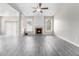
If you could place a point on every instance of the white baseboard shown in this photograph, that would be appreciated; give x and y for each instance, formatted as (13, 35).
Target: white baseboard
(69, 41)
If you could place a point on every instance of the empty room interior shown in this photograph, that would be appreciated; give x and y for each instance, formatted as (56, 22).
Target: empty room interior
(39, 29)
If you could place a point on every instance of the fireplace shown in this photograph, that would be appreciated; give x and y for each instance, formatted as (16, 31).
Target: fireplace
(38, 31)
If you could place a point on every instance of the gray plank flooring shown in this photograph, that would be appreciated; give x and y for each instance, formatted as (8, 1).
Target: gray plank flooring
(36, 46)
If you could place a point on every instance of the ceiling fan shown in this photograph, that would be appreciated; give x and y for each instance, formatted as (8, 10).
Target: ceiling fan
(39, 8)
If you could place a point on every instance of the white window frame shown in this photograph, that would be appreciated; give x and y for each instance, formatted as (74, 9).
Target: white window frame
(29, 17)
(45, 18)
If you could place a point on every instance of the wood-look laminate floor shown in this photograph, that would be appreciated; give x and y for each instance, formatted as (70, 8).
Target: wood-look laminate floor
(36, 46)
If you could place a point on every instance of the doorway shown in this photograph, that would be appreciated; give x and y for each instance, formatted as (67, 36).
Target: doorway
(11, 28)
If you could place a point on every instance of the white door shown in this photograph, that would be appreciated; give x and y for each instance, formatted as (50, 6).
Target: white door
(11, 28)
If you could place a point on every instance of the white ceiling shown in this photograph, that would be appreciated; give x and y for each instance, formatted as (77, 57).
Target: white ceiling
(56, 9)
(27, 10)
(7, 10)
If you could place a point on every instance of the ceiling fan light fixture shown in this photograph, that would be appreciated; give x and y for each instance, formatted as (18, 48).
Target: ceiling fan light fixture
(38, 10)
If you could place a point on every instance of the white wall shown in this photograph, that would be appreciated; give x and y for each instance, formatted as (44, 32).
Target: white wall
(39, 20)
(66, 23)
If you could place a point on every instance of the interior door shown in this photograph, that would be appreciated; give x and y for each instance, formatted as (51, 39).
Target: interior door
(11, 28)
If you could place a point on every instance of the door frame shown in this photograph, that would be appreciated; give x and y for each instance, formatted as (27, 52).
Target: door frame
(17, 29)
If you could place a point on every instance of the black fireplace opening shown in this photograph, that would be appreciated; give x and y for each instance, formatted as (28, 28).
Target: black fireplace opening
(38, 30)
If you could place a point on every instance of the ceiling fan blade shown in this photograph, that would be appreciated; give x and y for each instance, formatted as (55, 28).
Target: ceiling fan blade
(45, 8)
(34, 11)
(40, 4)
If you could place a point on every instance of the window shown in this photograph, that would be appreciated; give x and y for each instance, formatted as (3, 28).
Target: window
(29, 24)
(48, 24)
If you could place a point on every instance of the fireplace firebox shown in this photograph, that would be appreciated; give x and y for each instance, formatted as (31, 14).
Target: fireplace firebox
(38, 31)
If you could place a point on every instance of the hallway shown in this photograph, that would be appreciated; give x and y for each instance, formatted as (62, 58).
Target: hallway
(36, 46)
